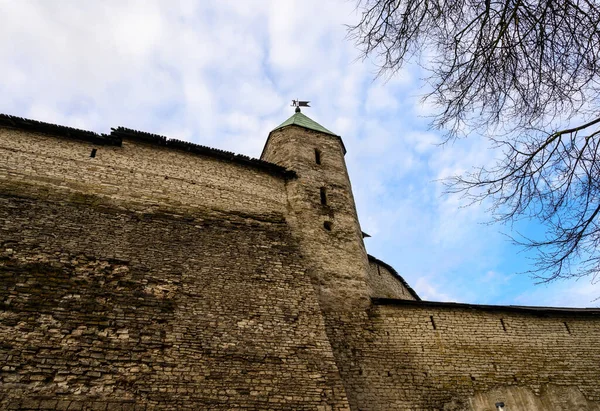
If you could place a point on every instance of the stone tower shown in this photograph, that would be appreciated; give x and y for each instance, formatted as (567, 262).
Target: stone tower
(139, 272)
(322, 210)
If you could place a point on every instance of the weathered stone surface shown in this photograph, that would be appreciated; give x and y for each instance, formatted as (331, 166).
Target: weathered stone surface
(112, 300)
(336, 258)
(149, 278)
(404, 361)
(385, 284)
(549, 397)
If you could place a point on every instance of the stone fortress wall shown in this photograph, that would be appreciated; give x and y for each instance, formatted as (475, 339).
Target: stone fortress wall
(385, 282)
(431, 356)
(152, 278)
(159, 274)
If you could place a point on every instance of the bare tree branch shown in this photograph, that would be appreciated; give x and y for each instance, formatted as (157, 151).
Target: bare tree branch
(523, 67)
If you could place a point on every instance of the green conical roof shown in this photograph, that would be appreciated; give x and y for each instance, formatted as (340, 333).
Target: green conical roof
(301, 120)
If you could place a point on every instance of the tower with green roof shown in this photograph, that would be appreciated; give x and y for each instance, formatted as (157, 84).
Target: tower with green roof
(322, 209)
(301, 120)
(322, 216)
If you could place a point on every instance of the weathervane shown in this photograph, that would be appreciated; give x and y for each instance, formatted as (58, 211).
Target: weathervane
(298, 104)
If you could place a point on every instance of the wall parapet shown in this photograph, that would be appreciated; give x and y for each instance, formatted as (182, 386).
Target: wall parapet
(396, 275)
(58, 130)
(115, 138)
(150, 138)
(484, 307)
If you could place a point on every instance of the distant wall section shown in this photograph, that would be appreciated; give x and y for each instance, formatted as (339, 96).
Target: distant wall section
(422, 355)
(385, 282)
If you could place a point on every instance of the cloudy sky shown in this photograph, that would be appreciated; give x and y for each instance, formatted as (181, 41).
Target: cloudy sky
(222, 74)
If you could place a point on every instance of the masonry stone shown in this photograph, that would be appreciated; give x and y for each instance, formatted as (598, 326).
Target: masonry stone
(143, 273)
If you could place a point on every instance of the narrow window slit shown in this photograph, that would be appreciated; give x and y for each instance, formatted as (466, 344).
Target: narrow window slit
(503, 325)
(317, 156)
(323, 196)
(93, 153)
(327, 225)
(567, 327)
(432, 322)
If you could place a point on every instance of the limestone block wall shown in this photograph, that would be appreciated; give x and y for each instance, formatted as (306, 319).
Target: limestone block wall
(336, 255)
(146, 176)
(385, 282)
(146, 278)
(426, 356)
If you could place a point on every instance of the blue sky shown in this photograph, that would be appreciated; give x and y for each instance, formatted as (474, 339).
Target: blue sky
(222, 74)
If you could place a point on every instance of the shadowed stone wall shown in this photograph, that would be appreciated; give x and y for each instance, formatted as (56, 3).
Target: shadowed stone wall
(432, 356)
(147, 278)
(336, 258)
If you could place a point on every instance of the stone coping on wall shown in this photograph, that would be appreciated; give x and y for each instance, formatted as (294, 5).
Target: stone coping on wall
(57, 130)
(142, 136)
(484, 307)
(117, 135)
(395, 274)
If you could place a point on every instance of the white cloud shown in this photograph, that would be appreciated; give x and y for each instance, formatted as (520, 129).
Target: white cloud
(429, 292)
(562, 294)
(222, 73)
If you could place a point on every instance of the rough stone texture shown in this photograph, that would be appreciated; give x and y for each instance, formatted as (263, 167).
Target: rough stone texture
(336, 259)
(147, 177)
(550, 397)
(385, 284)
(406, 363)
(153, 278)
(127, 290)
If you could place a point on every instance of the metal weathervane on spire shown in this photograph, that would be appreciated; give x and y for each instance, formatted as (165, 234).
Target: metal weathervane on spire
(298, 104)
